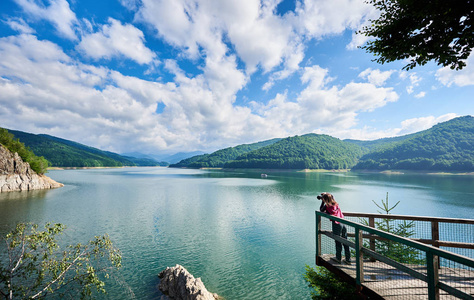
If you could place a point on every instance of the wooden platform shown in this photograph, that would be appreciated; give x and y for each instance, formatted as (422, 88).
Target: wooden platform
(389, 283)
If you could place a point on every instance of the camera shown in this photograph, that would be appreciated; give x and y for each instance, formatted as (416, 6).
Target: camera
(319, 197)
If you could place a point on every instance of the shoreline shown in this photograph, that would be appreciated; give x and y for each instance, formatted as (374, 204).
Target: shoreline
(387, 172)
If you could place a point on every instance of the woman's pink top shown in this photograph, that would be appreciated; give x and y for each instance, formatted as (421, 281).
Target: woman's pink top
(334, 210)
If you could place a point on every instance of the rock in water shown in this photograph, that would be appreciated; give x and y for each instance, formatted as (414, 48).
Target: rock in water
(17, 175)
(178, 284)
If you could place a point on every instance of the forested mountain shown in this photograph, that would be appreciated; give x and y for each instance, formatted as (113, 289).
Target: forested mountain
(447, 146)
(219, 158)
(63, 153)
(310, 151)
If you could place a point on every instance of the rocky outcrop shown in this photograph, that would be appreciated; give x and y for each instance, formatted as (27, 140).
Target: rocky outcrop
(17, 175)
(178, 284)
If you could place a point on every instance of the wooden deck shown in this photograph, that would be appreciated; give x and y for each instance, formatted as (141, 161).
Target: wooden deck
(387, 282)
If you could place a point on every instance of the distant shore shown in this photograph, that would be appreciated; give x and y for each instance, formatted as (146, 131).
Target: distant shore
(388, 172)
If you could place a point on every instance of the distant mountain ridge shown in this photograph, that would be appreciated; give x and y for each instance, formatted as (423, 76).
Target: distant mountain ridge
(64, 153)
(447, 146)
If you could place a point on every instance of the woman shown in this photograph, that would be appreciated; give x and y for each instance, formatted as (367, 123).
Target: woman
(331, 207)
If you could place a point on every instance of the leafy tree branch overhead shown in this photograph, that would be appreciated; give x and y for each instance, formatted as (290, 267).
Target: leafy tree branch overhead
(421, 31)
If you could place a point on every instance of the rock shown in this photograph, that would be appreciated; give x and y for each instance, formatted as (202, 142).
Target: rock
(17, 175)
(178, 284)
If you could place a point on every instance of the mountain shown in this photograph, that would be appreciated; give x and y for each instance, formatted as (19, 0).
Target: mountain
(310, 151)
(172, 159)
(219, 158)
(64, 153)
(447, 146)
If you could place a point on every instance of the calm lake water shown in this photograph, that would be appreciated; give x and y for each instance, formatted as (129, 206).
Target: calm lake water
(246, 237)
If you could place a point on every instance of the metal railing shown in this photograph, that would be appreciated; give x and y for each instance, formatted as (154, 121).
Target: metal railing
(440, 273)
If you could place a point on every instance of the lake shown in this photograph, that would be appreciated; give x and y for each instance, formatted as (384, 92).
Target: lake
(247, 237)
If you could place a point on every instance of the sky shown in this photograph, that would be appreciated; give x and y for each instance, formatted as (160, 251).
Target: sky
(160, 76)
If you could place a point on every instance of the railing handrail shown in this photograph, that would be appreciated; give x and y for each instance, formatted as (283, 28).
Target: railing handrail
(405, 217)
(411, 243)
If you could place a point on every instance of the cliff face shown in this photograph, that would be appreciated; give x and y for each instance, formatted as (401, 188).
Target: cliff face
(16, 175)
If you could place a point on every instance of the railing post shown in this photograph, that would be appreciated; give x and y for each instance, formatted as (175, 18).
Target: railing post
(318, 238)
(435, 233)
(433, 276)
(435, 237)
(372, 240)
(359, 257)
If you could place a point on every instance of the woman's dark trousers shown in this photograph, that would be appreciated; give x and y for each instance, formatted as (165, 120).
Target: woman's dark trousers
(340, 230)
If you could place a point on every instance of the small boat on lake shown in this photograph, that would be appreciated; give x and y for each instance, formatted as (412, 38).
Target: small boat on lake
(263, 175)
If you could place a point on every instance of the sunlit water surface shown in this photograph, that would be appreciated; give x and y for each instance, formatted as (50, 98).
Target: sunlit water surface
(247, 237)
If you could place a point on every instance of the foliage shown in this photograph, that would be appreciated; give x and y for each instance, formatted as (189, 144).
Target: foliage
(448, 146)
(219, 158)
(37, 163)
(396, 251)
(422, 30)
(310, 151)
(65, 153)
(325, 285)
(34, 266)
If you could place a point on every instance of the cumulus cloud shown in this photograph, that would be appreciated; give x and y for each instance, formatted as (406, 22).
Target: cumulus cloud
(376, 77)
(115, 39)
(463, 77)
(57, 12)
(321, 106)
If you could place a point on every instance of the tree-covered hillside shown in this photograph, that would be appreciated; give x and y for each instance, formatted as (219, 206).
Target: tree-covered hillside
(219, 158)
(310, 151)
(14, 145)
(64, 153)
(448, 146)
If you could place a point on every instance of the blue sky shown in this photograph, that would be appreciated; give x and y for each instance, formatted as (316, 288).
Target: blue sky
(184, 75)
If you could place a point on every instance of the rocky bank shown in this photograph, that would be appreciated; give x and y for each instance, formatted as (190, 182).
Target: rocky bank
(17, 175)
(178, 284)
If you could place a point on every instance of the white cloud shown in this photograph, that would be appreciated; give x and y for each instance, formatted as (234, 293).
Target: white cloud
(423, 123)
(408, 126)
(58, 12)
(54, 94)
(116, 39)
(463, 77)
(357, 41)
(420, 95)
(376, 77)
(413, 78)
(19, 25)
(319, 18)
(321, 106)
